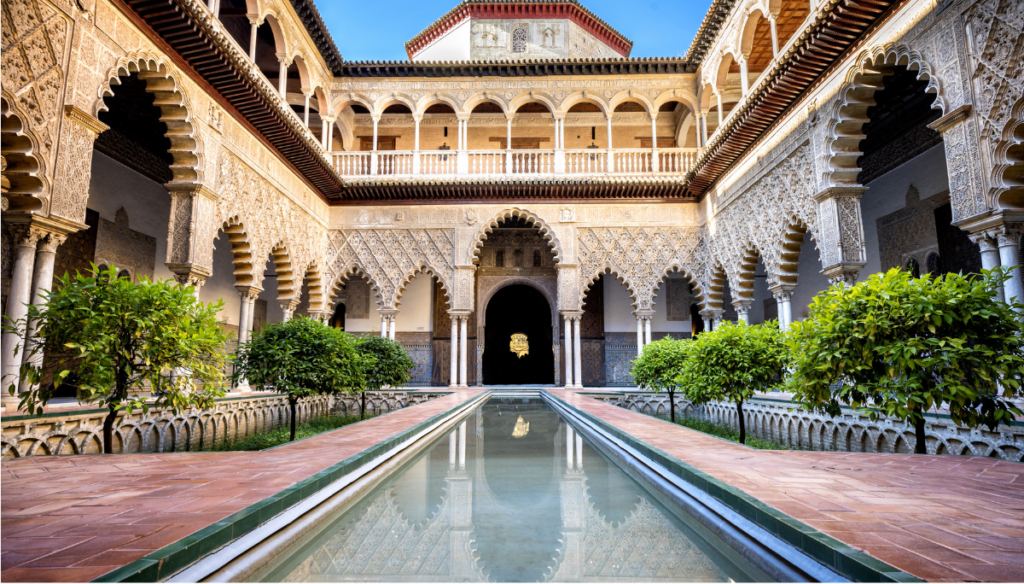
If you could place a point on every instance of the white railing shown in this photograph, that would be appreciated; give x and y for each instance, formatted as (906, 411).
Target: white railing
(586, 161)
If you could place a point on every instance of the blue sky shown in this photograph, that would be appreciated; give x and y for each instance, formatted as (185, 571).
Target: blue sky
(376, 30)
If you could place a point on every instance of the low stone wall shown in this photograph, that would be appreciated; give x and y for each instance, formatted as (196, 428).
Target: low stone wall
(160, 430)
(776, 420)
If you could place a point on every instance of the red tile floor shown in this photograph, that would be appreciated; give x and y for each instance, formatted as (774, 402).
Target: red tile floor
(937, 517)
(940, 518)
(74, 518)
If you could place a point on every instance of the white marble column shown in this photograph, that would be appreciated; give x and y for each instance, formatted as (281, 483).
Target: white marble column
(647, 330)
(330, 135)
(568, 350)
(305, 111)
(704, 129)
(463, 357)
(721, 116)
(782, 301)
(254, 24)
(282, 75)
(391, 326)
(744, 82)
(1009, 257)
(639, 335)
(743, 310)
(416, 119)
(383, 326)
(462, 446)
(775, 35)
(25, 239)
(989, 249)
(453, 379)
(577, 351)
(46, 254)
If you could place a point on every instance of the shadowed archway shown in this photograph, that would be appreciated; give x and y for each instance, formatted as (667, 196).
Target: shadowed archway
(518, 309)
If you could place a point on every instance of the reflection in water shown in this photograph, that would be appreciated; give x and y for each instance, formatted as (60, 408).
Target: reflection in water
(481, 505)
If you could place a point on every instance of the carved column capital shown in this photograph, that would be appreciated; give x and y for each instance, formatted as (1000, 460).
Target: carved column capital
(986, 241)
(248, 292)
(782, 292)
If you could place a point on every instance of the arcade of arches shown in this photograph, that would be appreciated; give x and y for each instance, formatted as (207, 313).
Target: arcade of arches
(591, 207)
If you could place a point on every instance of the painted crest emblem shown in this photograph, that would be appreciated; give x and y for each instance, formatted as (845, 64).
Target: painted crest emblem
(520, 345)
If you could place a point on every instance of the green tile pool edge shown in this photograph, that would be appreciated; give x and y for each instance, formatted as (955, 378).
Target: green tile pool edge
(172, 558)
(838, 556)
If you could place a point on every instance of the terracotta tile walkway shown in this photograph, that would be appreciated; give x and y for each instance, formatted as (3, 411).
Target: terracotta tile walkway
(75, 518)
(940, 518)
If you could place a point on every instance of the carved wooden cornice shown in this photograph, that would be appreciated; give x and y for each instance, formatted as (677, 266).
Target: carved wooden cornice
(837, 28)
(189, 30)
(526, 68)
(310, 17)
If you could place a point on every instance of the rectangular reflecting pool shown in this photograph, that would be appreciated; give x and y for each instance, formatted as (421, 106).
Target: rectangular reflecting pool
(512, 494)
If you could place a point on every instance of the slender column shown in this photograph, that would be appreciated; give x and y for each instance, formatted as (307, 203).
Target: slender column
(569, 451)
(17, 299)
(416, 144)
(704, 130)
(577, 350)
(323, 132)
(282, 76)
(743, 310)
(453, 379)
(579, 453)
(568, 350)
(383, 326)
(611, 158)
(639, 335)
(1009, 257)
(707, 322)
(254, 24)
(330, 135)
(654, 142)
(462, 446)
(391, 326)
(508, 143)
(243, 315)
(373, 154)
(744, 82)
(463, 341)
(305, 114)
(782, 296)
(696, 130)
(288, 308)
(989, 255)
(453, 448)
(215, 8)
(721, 118)
(647, 330)
(775, 35)
(46, 254)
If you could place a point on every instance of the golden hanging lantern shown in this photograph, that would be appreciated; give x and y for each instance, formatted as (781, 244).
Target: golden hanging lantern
(522, 428)
(519, 345)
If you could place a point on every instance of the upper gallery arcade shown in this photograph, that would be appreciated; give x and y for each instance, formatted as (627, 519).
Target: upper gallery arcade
(229, 145)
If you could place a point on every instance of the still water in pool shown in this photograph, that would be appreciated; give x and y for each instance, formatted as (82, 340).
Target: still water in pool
(513, 494)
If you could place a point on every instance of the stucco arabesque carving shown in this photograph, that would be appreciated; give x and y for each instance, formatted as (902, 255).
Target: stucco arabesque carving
(390, 258)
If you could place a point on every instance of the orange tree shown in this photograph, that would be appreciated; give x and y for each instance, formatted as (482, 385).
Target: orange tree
(107, 336)
(897, 346)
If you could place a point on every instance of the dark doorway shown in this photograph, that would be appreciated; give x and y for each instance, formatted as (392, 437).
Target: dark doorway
(518, 309)
(338, 318)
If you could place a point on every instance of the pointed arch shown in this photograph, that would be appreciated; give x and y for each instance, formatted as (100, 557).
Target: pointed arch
(845, 127)
(424, 268)
(241, 252)
(677, 267)
(513, 213)
(318, 294)
(589, 279)
(286, 288)
(352, 268)
(789, 254)
(175, 111)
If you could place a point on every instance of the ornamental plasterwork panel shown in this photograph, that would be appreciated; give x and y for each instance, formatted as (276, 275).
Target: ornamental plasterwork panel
(35, 42)
(640, 257)
(270, 219)
(389, 258)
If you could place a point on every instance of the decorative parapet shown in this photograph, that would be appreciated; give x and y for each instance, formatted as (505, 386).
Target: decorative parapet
(775, 420)
(160, 430)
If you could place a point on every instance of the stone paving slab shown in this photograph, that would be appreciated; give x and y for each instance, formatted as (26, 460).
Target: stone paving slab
(75, 518)
(940, 518)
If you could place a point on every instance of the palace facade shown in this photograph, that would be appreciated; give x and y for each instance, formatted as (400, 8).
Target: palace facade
(520, 175)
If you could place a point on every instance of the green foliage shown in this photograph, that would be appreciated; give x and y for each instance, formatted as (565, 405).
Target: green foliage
(278, 436)
(895, 345)
(658, 367)
(728, 433)
(392, 366)
(732, 363)
(301, 357)
(115, 336)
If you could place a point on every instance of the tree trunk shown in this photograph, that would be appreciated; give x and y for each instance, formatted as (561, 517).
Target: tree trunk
(672, 405)
(108, 430)
(292, 400)
(921, 447)
(362, 405)
(743, 423)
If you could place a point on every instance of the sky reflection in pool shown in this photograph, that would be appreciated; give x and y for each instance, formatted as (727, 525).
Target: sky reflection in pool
(483, 505)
